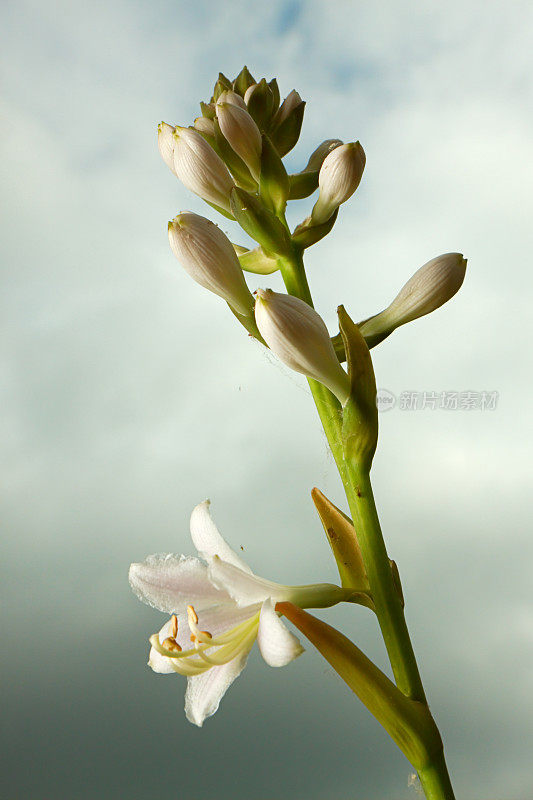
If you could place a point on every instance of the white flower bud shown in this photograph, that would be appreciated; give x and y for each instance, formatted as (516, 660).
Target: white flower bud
(205, 125)
(339, 177)
(242, 133)
(428, 289)
(209, 258)
(200, 169)
(232, 98)
(165, 142)
(299, 337)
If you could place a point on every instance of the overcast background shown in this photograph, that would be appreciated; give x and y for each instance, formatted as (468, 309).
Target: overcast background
(130, 394)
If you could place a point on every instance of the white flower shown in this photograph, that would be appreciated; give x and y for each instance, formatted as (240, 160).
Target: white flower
(200, 169)
(242, 133)
(208, 256)
(339, 177)
(165, 142)
(219, 608)
(299, 337)
(429, 288)
(232, 97)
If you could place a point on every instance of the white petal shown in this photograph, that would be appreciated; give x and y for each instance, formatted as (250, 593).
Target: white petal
(277, 644)
(204, 692)
(208, 540)
(244, 587)
(170, 583)
(155, 660)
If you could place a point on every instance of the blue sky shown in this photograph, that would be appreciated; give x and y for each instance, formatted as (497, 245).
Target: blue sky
(130, 395)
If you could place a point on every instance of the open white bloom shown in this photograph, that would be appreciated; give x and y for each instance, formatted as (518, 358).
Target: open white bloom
(208, 256)
(339, 177)
(200, 169)
(429, 288)
(218, 609)
(242, 133)
(299, 337)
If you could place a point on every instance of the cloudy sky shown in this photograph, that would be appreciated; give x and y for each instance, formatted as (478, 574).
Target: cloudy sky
(129, 394)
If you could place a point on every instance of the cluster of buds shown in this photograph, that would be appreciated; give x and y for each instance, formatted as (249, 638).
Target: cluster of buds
(231, 157)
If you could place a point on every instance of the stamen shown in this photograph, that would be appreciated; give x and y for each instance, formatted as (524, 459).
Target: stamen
(171, 644)
(174, 626)
(192, 615)
(207, 634)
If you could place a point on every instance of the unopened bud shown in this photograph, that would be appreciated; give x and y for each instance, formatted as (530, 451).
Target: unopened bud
(292, 100)
(232, 98)
(287, 123)
(259, 101)
(165, 143)
(304, 183)
(299, 337)
(205, 126)
(242, 134)
(209, 258)
(200, 169)
(430, 287)
(339, 177)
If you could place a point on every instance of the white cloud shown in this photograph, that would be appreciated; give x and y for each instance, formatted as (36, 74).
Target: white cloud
(130, 394)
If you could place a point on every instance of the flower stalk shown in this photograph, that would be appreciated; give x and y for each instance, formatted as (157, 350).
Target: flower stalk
(232, 158)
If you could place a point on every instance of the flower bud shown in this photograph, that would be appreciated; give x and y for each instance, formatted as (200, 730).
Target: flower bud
(242, 134)
(287, 123)
(204, 126)
(209, 258)
(292, 100)
(200, 169)
(165, 142)
(298, 336)
(259, 101)
(304, 183)
(430, 287)
(339, 177)
(233, 98)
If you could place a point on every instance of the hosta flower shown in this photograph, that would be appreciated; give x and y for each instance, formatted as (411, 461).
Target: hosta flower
(242, 134)
(165, 143)
(208, 256)
(200, 169)
(429, 288)
(218, 609)
(297, 334)
(339, 177)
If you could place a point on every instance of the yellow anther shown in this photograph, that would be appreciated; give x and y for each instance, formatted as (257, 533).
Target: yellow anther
(206, 633)
(171, 644)
(174, 626)
(193, 616)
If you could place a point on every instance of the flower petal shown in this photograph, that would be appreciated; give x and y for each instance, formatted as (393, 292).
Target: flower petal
(155, 660)
(169, 583)
(208, 540)
(277, 644)
(244, 587)
(204, 692)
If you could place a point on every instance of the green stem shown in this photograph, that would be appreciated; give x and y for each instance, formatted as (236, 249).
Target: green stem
(389, 610)
(435, 779)
(388, 603)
